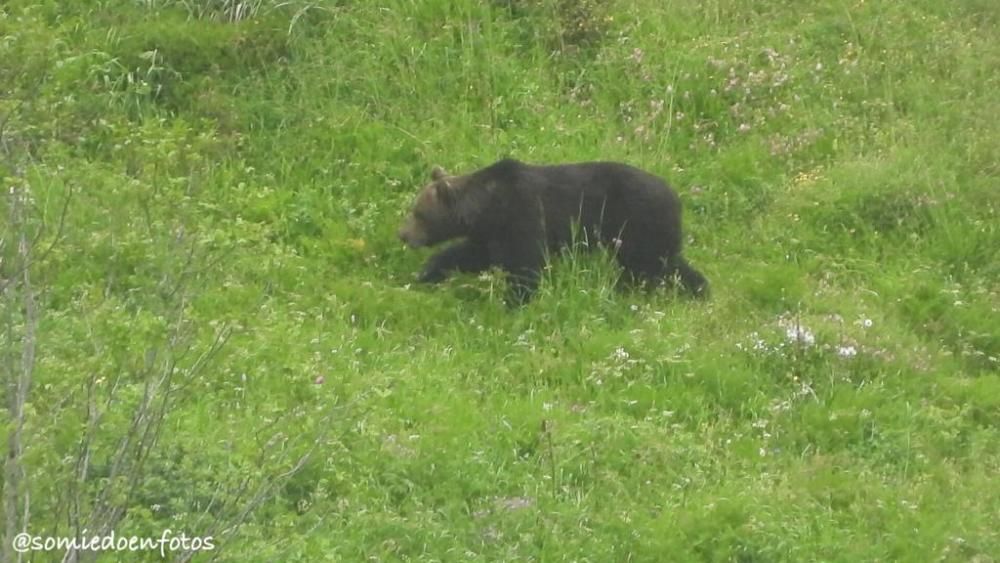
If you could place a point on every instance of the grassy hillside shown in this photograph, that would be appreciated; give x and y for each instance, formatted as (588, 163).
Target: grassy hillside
(210, 326)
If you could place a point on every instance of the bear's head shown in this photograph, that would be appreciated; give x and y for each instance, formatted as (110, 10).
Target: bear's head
(443, 210)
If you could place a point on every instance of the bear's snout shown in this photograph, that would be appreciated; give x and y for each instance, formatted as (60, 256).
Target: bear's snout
(410, 237)
(404, 236)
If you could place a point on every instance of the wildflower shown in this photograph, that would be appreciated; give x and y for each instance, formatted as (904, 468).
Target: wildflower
(847, 351)
(801, 334)
(620, 354)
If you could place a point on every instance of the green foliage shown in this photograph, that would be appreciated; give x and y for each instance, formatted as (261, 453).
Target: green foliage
(835, 399)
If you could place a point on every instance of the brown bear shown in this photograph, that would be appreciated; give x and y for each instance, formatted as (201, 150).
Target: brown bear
(511, 215)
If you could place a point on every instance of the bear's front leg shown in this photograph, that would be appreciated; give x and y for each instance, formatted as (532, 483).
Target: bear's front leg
(467, 256)
(523, 261)
(522, 284)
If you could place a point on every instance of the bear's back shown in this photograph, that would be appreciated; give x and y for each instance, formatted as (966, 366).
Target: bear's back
(603, 198)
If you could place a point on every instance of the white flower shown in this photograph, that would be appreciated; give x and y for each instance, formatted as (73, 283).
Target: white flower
(847, 351)
(800, 334)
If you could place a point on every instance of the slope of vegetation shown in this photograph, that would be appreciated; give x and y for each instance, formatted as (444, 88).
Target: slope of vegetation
(210, 327)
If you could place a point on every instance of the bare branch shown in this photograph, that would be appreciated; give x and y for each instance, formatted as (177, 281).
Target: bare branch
(18, 372)
(60, 226)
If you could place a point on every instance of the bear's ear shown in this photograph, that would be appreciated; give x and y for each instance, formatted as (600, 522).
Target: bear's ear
(438, 173)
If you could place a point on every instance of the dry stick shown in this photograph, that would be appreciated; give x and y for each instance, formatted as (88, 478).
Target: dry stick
(94, 417)
(82, 466)
(10, 499)
(241, 489)
(160, 386)
(27, 262)
(140, 439)
(267, 489)
(147, 423)
(16, 495)
(27, 369)
(153, 431)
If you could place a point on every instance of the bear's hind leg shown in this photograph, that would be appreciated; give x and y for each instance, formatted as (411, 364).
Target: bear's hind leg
(689, 279)
(641, 267)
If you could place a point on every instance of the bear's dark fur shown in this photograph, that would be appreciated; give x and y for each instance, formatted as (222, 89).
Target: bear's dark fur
(511, 214)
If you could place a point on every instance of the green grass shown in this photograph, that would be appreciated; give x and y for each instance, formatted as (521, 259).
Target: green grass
(840, 171)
